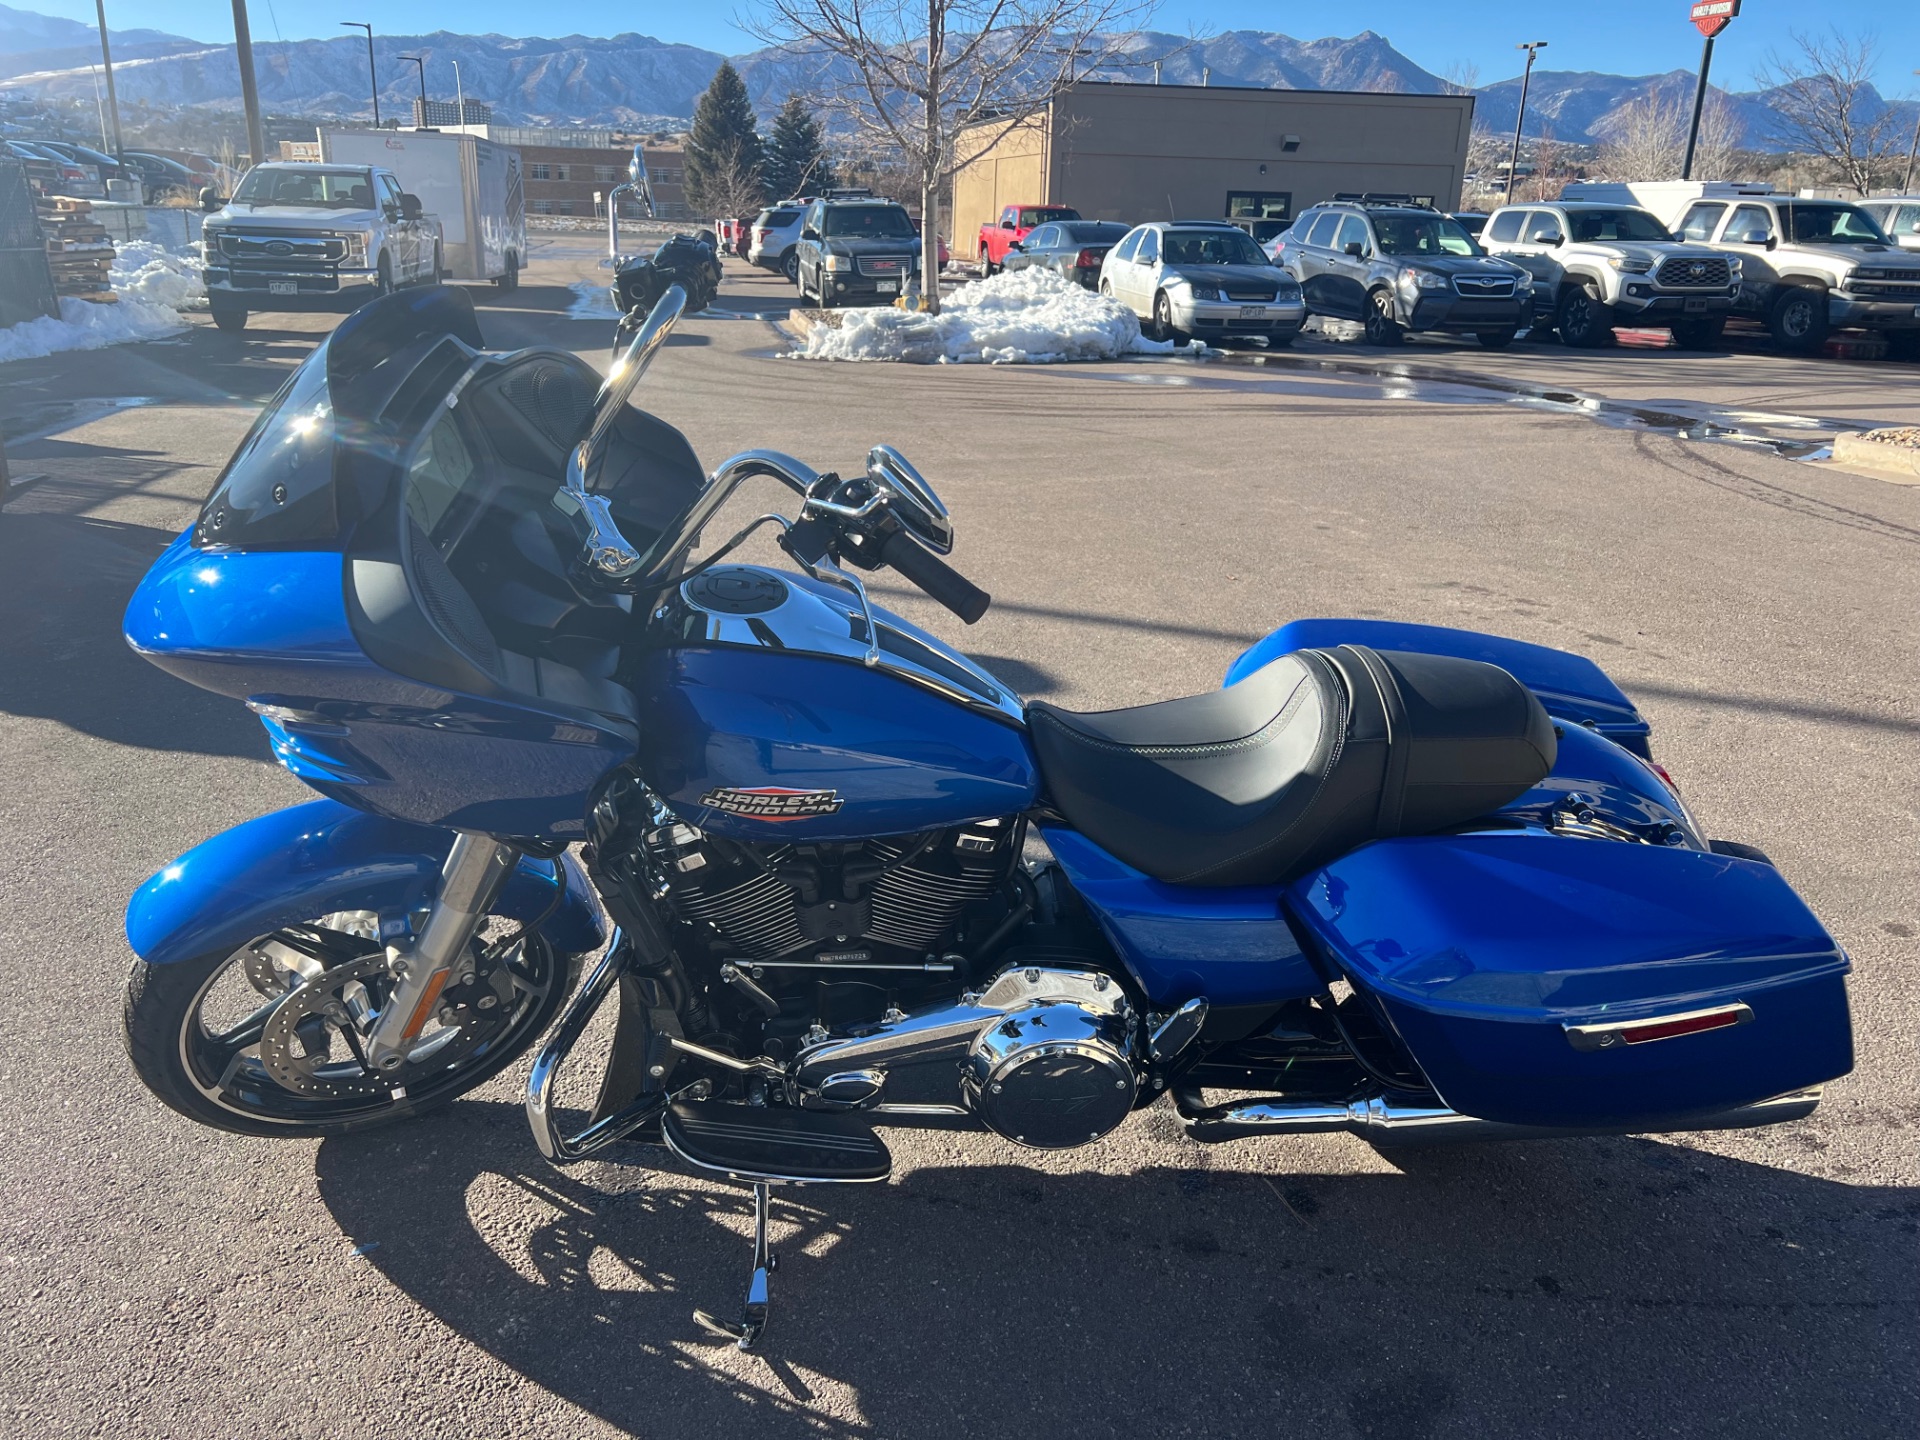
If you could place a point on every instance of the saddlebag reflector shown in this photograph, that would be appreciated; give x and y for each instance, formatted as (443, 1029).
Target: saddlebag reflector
(1504, 961)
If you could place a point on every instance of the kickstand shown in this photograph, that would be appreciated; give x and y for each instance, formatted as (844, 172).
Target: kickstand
(753, 1318)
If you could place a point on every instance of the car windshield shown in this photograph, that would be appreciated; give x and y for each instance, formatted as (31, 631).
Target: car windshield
(1210, 247)
(1094, 232)
(323, 189)
(888, 222)
(1040, 215)
(1831, 225)
(1423, 235)
(1593, 225)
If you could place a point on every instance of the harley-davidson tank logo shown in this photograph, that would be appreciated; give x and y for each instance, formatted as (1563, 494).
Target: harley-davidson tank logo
(772, 802)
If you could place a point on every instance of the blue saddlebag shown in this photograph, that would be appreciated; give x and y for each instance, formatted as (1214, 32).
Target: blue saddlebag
(1514, 967)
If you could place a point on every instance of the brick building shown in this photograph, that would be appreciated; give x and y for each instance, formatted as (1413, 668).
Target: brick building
(569, 172)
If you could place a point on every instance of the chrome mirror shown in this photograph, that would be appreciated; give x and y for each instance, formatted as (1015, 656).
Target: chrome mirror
(911, 498)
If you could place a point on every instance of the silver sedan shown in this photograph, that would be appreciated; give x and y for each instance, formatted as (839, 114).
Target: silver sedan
(1203, 280)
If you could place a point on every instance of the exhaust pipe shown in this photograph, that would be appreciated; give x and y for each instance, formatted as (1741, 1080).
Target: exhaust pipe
(1382, 1121)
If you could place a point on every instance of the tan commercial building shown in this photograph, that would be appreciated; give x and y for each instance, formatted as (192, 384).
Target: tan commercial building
(1193, 152)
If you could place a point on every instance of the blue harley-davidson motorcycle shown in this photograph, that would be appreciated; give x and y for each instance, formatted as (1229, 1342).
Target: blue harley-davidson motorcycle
(1408, 882)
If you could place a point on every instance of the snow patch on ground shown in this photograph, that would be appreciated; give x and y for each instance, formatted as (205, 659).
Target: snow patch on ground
(591, 302)
(1019, 317)
(85, 326)
(145, 271)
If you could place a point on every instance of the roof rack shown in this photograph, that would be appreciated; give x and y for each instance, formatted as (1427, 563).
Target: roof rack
(1372, 197)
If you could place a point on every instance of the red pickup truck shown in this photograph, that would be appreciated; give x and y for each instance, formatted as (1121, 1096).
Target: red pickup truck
(1014, 223)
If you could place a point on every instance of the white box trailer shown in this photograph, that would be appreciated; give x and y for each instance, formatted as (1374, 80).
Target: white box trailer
(1666, 199)
(472, 185)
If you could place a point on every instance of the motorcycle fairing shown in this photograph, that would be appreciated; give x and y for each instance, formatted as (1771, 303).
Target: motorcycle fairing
(322, 857)
(1571, 686)
(1483, 949)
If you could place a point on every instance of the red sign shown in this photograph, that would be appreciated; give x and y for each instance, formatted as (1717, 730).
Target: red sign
(1710, 17)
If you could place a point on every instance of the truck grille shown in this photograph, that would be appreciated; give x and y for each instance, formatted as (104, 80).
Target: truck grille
(1897, 283)
(1482, 287)
(1707, 274)
(282, 249)
(883, 264)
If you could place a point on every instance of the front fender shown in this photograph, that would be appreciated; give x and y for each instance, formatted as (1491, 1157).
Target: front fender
(313, 859)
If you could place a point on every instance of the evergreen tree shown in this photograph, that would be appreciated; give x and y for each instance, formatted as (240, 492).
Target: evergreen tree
(797, 161)
(724, 155)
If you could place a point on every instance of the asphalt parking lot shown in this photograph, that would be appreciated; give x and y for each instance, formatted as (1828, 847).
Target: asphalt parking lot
(1138, 524)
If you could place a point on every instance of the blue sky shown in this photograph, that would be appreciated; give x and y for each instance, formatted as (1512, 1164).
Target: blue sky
(1630, 37)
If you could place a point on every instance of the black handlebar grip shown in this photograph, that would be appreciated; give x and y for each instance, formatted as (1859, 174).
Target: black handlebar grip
(933, 575)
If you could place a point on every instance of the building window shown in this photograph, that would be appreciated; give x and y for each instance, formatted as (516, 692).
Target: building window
(560, 172)
(539, 170)
(604, 174)
(1259, 205)
(541, 207)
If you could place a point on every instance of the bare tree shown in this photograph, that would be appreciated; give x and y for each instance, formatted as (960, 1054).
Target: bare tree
(1646, 139)
(1824, 104)
(1462, 77)
(731, 185)
(920, 78)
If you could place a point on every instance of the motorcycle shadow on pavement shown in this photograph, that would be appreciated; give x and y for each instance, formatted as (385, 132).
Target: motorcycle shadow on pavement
(64, 583)
(1616, 1286)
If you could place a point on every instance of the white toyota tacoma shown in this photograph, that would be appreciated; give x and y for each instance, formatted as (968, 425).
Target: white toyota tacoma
(298, 236)
(1597, 265)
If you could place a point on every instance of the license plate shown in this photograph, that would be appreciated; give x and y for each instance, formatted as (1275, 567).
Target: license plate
(1252, 312)
(283, 287)
(886, 287)
(1693, 307)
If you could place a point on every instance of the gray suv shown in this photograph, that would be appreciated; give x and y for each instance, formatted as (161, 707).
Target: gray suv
(853, 252)
(1398, 266)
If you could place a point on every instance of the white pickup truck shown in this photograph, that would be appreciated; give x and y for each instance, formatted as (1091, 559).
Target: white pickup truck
(298, 236)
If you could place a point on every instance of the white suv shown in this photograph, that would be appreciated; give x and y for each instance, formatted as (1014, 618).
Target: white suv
(1899, 216)
(1597, 265)
(775, 231)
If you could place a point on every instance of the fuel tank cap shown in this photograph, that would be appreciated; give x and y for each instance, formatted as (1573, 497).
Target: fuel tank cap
(736, 590)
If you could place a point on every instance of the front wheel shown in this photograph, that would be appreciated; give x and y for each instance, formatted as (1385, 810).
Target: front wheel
(1798, 320)
(269, 1039)
(1163, 326)
(1584, 321)
(510, 278)
(790, 266)
(1380, 325)
(231, 318)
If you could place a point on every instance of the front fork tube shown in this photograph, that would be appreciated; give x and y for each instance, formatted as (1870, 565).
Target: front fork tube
(476, 869)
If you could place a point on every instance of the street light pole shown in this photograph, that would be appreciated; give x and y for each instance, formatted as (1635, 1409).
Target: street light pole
(1906, 181)
(249, 87)
(1526, 79)
(421, 62)
(373, 76)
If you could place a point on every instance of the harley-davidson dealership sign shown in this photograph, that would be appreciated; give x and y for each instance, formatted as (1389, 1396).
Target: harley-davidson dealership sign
(1710, 17)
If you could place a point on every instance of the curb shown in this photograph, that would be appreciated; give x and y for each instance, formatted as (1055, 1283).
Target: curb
(1895, 462)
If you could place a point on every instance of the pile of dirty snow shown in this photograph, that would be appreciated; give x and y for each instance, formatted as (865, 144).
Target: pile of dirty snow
(143, 270)
(1019, 317)
(591, 302)
(84, 325)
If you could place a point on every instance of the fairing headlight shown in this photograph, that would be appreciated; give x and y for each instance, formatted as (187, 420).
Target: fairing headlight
(1631, 264)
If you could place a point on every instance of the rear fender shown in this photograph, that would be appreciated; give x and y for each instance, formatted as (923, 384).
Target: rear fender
(314, 859)
(1571, 687)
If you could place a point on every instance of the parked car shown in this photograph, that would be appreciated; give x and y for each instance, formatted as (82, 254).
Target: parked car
(851, 251)
(1471, 221)
(1262, 230)
(1014, 223)
(1398, 266)
(43, 171)
(1812, 266)
(775, 231)
(301, 237)
(1596, 265)
(102, 164)
(162, 178)
(82, 182)
(1202, 278)
(1898, 217)
(1072, 249)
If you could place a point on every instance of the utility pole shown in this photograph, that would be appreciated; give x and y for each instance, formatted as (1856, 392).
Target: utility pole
(421, 62)
(373, 76)
(249, 90)
(1532, 47)
(106, 61)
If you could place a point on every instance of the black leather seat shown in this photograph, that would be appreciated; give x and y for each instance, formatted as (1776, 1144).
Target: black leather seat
(1301, 761)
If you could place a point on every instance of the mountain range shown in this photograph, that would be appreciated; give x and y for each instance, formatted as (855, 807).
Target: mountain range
(635, 81)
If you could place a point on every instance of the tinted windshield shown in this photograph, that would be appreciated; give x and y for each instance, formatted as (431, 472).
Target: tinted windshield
(1422, 235)
(1093, 232)
(1830, 225)
(878, 221)
(278, 487)
(323, 189)
(1210, 247)
(1041, 214)
(1615, 225)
